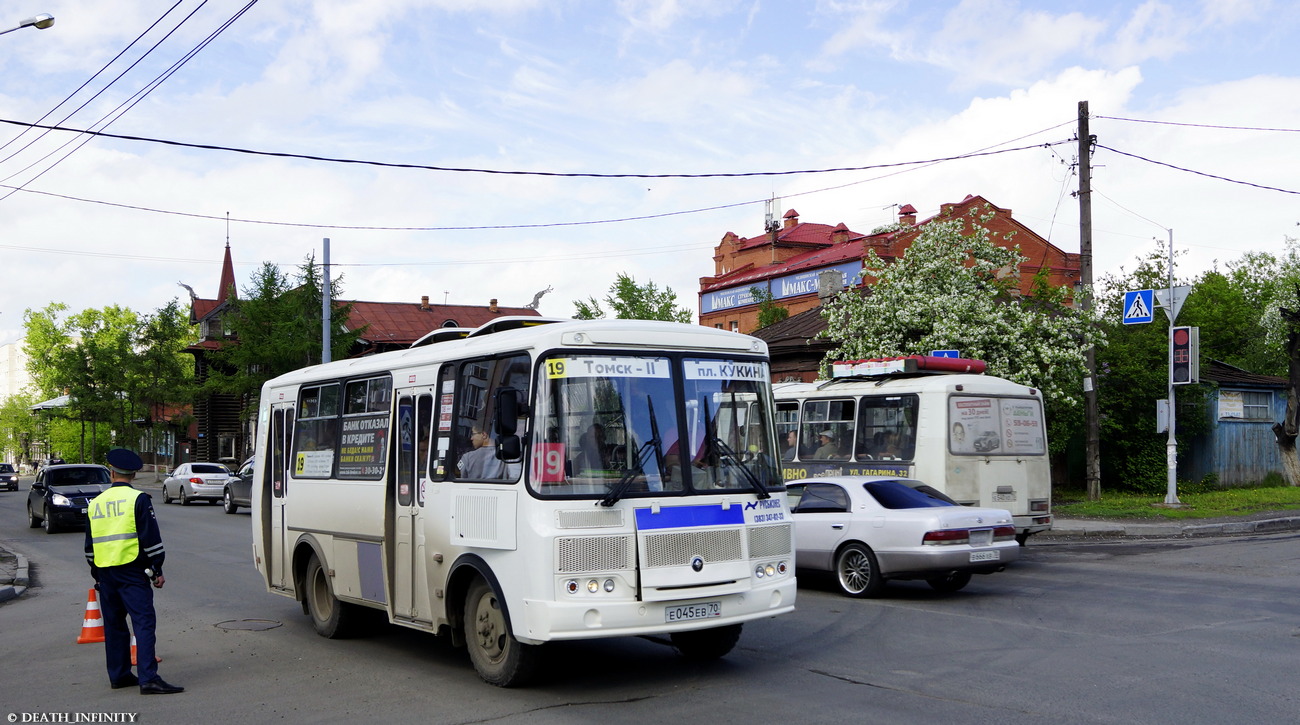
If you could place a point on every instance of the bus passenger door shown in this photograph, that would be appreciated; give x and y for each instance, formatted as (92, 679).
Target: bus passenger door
(411, 450)
(278, 473)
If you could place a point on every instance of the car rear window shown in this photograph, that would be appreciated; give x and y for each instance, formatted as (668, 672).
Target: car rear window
(76, 476)
(209, 468)
(896, 495)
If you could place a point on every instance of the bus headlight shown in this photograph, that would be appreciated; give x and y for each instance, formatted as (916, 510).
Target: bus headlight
(609, 585)
(571, 586)
(593, 586)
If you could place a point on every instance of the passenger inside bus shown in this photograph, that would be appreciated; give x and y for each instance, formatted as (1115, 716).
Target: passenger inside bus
(481, 463)
(828, 449)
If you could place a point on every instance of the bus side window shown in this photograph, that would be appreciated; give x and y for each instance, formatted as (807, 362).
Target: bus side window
(475, 446)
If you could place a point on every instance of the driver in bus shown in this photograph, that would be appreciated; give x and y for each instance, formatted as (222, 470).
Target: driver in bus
(481, 461)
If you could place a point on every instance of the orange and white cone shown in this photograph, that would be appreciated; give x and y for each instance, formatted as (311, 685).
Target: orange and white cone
(156, 658)
(92, 629)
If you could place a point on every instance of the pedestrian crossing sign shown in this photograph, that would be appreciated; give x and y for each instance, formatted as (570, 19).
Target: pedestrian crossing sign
(1138, 307)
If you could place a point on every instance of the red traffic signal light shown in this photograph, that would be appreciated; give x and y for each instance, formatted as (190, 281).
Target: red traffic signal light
(1184, 363)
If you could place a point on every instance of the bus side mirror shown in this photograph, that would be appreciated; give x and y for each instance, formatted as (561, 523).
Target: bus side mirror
(509, 448)
(510, 406)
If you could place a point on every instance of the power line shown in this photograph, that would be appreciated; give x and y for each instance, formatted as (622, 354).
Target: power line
(471, 170)
(140, 95)
(1199, 125)
(1198, 173)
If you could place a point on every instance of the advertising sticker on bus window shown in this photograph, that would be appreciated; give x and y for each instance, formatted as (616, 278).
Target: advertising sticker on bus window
(974, 425)
(724, 370)
(607, 367)
(995, 426)
(1022, 426)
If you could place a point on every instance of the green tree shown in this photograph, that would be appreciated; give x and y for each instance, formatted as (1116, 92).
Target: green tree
(18, 427)
(113, 364)
(769, 312)
(952, 291)
(276, 328)
(631, 301)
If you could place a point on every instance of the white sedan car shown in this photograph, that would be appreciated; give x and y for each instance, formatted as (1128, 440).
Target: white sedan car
(196, 482)
(869, 529)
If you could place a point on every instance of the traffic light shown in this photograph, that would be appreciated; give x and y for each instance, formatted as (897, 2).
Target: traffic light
(1185, 365)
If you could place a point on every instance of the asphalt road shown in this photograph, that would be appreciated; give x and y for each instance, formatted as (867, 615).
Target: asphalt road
(1180, 631)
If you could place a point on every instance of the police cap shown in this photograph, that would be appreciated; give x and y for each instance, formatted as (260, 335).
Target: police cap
(124, 460)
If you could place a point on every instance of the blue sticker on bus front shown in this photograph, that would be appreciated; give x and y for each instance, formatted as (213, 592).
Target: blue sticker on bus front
(680, 517)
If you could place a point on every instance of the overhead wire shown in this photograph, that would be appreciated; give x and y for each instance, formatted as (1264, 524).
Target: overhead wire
(85, 83)
(1198, 173)
(141, 94)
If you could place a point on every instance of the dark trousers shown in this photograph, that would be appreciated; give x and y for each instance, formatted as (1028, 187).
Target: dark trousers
(125, 590)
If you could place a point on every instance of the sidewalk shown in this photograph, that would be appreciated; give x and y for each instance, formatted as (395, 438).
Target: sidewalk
(13, 575)
(1260, 523)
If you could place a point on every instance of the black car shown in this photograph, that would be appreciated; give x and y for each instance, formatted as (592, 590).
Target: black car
(58, 497)
(239, 490)
(8, 476)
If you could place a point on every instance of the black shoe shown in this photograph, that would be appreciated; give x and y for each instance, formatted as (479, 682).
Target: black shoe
(159, 687)
(128, 681)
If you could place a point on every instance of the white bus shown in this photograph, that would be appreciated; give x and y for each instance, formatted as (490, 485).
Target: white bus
(979, 439)
(528, 481)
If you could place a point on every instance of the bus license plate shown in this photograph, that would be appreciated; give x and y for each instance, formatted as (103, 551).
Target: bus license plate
(683, 612)
(1004, 496)
(984, 556)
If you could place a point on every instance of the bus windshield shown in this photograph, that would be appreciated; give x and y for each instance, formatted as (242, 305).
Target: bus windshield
(612, 426)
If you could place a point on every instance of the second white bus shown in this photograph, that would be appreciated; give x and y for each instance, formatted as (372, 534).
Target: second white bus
(979, 439)
(530, 481)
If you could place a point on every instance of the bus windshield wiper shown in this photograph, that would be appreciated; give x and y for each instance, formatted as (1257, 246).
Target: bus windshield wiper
(729, 457)
(651, 447)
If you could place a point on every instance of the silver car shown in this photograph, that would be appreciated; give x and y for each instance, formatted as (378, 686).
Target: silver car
(196, 482)
(870, 529)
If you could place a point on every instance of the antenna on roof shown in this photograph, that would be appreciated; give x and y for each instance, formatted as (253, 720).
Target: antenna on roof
(770, 224)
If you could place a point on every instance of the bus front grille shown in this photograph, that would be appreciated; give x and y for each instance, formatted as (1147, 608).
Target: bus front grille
(769, 541)
(593, 553)
(677, 549)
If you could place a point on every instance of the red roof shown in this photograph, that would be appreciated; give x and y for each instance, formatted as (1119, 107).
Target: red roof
(406, 322)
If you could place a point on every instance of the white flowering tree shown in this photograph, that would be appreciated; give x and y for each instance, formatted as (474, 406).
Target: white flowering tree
(950, 291)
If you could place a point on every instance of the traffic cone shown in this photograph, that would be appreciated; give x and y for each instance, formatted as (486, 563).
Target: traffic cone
(156, 658)
(92, 629)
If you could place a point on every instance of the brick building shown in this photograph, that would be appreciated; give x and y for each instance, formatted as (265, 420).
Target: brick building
(795, 260)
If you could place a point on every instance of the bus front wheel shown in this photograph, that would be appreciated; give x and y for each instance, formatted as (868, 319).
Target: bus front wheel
(499, 658)
(331, 618)
(707, 644)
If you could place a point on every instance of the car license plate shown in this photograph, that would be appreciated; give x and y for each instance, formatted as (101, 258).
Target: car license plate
(985, 556)
(683, 612)
(1004, 496)
(83, 511)
(982, 537)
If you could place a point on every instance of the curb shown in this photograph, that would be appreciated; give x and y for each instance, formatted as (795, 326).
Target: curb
(15, 590)
(1076, 528)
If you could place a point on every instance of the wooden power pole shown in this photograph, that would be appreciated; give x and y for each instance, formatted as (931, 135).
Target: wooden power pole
(1092, 454)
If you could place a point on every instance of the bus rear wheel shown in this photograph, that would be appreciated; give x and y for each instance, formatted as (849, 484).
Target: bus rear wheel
(331, 618)
(499, 658)
(707, 644)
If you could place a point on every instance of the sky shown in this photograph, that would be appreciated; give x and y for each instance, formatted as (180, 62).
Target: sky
(626, 136)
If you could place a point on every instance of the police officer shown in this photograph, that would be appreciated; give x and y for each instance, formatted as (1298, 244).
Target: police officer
(125, 551)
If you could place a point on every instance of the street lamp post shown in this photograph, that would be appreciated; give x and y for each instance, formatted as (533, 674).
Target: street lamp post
(40, 22)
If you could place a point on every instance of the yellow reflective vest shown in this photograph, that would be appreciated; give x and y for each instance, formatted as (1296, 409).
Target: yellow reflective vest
(113, 535)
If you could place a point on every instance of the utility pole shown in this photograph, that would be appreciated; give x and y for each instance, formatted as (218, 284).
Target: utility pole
(326, 296)
(1092, 454)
